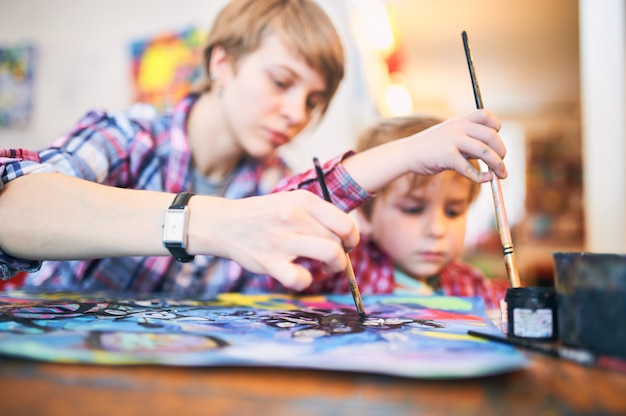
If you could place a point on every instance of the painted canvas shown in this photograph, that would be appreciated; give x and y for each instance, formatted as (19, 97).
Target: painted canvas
(419, 337)
(17, 66)
(165, 67)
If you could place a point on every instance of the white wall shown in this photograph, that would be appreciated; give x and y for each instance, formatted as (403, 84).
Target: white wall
(84, 62)
(603, 79)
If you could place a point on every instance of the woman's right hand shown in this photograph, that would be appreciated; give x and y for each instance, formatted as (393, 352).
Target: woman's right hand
(266, 234)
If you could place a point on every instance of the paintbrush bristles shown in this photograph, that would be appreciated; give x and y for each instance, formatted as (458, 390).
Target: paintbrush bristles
(354, 288)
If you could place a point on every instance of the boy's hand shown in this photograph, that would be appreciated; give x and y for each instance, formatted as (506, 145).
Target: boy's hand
(445, 146)
(450, 144)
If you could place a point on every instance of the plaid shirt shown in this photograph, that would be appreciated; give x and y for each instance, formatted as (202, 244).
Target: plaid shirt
(138, 149)
(13, 164)
(374, 270)
(375, 273)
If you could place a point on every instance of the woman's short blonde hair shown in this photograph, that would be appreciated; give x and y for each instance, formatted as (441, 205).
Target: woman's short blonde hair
(301, 24)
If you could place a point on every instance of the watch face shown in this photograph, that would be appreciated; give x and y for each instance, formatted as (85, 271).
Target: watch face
(174, 227)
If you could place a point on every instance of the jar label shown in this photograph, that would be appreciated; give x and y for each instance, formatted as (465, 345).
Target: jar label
(532, 323)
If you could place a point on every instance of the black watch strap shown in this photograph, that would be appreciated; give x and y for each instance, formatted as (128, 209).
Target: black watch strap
(181, 200)
(179, 253)
(178, 248)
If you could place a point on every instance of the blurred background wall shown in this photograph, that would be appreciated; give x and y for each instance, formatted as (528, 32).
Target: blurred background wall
(553, 71)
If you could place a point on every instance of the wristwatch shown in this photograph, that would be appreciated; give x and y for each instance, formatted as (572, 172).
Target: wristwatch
(175, 227)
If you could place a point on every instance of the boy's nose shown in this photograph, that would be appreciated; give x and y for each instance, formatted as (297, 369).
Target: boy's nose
(435, 225)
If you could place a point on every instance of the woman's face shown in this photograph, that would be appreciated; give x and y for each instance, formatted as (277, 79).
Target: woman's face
(270, 97)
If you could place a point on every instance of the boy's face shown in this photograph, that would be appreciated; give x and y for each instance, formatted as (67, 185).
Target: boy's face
(421, 229)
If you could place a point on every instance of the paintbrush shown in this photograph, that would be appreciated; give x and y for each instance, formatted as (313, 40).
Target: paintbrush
(354, 288)
(577, 355)
(496, 190)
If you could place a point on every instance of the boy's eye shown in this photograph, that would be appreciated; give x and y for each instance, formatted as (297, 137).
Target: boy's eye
(455, 212)
(412, 210)
(452, 213)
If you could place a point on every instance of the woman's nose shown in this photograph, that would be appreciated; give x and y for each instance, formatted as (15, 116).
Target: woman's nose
(295, 109)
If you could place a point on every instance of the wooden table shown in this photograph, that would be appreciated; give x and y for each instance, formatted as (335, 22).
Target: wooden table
(548, 387)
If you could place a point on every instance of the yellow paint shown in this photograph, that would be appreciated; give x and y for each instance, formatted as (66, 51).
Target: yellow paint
(441, 335)
(446, 303)
(267, 302)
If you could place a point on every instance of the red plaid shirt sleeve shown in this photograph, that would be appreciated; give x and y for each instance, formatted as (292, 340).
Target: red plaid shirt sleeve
(373, 271)
(345, 193)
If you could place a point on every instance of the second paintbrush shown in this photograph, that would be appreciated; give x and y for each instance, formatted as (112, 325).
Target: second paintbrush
(496, 190)
(354, 287)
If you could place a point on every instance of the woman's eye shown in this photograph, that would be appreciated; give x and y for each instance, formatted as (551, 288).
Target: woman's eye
(311, 104)
(316, 101)
(281, 83)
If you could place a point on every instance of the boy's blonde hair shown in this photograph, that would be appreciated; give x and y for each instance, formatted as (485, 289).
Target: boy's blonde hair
(394, 128)
(301, 24)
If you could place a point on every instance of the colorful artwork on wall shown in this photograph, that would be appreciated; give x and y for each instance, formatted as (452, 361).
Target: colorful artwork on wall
(17, 67)
(165, 67)
(419, 337)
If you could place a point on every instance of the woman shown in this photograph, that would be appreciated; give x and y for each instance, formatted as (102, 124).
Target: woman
(272, 68)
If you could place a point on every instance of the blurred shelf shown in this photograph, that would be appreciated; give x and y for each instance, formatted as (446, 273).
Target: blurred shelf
(535, 263)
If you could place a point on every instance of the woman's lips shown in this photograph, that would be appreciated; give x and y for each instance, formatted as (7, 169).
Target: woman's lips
(278, 138)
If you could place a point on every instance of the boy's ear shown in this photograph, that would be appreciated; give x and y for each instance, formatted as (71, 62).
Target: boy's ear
(363, 224)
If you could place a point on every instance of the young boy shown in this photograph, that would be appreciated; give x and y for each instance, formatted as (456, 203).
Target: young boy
(413, 230)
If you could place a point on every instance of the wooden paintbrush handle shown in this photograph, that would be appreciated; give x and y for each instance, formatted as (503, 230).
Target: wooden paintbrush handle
(505, 233)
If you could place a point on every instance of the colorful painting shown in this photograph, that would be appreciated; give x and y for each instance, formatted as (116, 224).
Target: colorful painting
(419, 337)
(164, 68)
(16, 84)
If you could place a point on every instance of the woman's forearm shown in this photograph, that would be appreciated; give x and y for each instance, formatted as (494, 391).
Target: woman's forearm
(55, 217)
(50, 216)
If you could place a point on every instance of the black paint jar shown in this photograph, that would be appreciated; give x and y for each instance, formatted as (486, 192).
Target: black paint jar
(532, 313)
